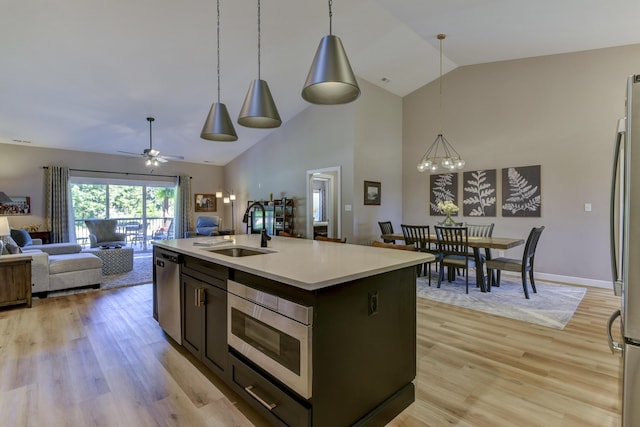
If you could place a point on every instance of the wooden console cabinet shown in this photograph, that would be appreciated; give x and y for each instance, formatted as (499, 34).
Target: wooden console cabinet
(44, 235)
(15, 281)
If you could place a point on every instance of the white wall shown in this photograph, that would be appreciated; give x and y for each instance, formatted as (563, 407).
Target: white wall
(556, 111)
(363, 138)
(22, 174)
(559, 112)
(378, 157)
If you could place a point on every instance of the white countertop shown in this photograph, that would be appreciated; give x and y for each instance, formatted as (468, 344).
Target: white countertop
(304, 263)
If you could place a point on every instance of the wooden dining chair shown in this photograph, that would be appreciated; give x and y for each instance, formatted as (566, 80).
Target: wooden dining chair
(331, 239)
(378, 244)
(285, 234)
(386, 228)
(522, 266)
(419, 237)
(453, 245)
(481, 230)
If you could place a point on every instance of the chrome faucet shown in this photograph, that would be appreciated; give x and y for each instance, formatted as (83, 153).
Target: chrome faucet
(263, 233)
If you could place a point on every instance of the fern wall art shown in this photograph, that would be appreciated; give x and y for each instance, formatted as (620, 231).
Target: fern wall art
(479, 193)
(521, 192)
(443, 187)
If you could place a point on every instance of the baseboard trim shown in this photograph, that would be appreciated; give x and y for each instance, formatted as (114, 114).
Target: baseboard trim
(569, 280)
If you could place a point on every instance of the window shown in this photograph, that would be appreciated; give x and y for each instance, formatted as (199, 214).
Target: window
(143, 208)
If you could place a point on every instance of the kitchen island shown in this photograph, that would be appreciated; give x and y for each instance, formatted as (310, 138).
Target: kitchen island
(348, 357)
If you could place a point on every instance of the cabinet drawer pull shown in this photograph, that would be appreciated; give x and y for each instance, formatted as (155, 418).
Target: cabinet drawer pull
(269, 406)
(200, 297)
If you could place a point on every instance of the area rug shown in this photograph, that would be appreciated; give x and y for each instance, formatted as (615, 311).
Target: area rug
(553, 305)
(142, 273)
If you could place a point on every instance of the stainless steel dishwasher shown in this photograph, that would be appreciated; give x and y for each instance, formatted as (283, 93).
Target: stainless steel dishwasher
(167, 265)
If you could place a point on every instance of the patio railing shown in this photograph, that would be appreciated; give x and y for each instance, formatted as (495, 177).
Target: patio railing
(138, 231)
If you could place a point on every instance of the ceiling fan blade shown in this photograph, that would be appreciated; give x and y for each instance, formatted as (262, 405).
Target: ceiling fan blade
(170, 156)
(162, 159)
(128, 152)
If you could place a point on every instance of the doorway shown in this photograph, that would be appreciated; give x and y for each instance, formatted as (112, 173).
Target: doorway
(323, 202)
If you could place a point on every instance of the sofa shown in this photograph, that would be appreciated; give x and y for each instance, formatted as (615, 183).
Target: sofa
(57, 266)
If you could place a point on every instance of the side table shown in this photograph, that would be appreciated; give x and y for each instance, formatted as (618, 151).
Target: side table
(15, 280)
(114, 260)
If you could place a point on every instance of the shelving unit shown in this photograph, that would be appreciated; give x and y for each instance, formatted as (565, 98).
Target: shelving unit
(279, 213)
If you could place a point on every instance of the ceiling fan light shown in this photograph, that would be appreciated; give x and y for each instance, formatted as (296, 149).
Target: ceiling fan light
(218, 126)
(330, 80)
(259, 110)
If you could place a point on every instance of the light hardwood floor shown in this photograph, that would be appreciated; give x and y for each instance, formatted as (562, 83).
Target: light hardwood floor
(99, 359)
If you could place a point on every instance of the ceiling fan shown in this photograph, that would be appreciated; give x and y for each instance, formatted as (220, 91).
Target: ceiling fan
(152, 155)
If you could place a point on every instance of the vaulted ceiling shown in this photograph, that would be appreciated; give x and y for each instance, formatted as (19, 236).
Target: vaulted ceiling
(84, 74)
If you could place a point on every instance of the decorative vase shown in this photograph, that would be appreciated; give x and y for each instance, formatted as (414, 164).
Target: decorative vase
(448, 221)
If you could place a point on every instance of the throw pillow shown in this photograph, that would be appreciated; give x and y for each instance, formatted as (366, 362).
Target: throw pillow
(14, 249)
(8, 240)
(22, 237)
(2, 248)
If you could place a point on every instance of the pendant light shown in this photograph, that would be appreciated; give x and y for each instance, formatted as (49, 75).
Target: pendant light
(259, 110)
(449, 157)
(330, 80)
(218, 126)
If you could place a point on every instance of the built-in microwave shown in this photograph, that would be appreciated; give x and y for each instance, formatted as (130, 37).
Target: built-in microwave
(272, 332)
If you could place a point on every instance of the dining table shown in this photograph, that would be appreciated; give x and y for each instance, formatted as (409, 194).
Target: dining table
(476, 243)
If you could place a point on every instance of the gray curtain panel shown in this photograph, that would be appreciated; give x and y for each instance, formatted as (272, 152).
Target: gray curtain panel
(184, 209)
(58, 196)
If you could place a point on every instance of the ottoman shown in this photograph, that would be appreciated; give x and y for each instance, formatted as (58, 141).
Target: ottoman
(74, 270)
(114, 260)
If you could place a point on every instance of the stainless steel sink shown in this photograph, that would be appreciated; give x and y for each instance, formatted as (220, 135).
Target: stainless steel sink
(237, 252)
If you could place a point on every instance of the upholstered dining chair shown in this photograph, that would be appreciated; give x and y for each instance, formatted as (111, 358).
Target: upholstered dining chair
(386, 228)
(453, 246)
(522, 266)
(419, 236)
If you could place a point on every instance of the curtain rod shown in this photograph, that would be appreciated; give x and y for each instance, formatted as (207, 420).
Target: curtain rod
(120, 173)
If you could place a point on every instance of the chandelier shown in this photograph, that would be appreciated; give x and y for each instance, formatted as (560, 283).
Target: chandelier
(440, 152)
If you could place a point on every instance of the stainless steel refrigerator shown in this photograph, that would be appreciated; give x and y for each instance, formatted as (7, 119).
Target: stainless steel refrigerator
(625, 250)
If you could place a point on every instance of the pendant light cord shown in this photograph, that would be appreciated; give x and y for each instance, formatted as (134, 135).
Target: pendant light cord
(258, 39)
(218, 50)
(441, 37)
(330, 17)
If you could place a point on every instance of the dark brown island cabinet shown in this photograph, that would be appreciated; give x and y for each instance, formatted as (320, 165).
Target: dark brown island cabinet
(361, 360)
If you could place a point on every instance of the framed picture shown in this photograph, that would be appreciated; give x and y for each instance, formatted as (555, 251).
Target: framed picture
(205, 203)
(521, 195)
(15, 205)
(479, 193)
(371, 193)
(443, 187)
